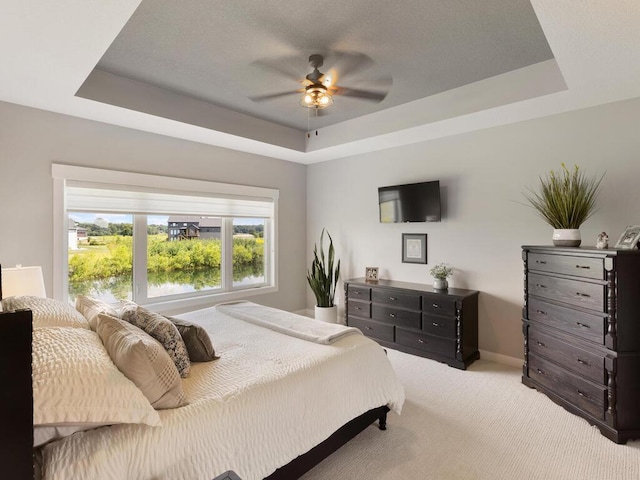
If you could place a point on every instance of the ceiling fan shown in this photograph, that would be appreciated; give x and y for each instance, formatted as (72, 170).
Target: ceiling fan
(318, 89)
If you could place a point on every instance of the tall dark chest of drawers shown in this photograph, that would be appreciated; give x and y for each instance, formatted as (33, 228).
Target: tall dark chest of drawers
(581, 324)
(416, 319)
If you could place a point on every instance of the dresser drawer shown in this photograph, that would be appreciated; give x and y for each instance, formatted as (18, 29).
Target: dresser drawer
(578, 266)
(396, 316)
(356, 292)
(583, 394)
(378, 330)
(391, 297)
(439, 305)
(579, 361)
(575, 292)
(584, 325)
(360, 309)
(424, 341)
(436, 325)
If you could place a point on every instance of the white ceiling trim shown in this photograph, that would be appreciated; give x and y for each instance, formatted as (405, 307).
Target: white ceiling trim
(49, 49)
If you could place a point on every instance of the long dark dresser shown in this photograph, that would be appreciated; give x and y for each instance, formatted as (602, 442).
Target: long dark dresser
(415, 318)
(581, 324)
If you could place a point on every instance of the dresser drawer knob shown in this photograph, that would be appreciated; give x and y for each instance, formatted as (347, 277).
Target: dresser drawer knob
(541, 262)
(582, 325)
(393, 299)
(435, 305)
(586, 267)
(369, 328)
(392, 315)
(421, 341)
(541, 344)
(539, 285)
(435, 324)
(582, 394)
(582, 362)
(541, 312)
(583, 294)
(541, 372)
(358, 308)
(356, 292)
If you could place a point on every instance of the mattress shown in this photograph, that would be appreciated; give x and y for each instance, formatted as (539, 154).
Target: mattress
(268, 399)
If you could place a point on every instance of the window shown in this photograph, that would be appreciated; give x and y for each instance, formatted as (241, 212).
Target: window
(161, 240)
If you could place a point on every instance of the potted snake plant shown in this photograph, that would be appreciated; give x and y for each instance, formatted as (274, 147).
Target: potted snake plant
(323, 278)
(565, 200)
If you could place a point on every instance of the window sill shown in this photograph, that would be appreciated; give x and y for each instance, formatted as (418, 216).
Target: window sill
(202, 301)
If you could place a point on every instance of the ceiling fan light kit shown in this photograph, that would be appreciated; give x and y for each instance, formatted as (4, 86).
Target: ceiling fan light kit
(316, 96)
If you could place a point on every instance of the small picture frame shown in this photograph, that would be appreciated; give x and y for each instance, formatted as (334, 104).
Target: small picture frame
(629, 238)
(371, 275)
(414, 248)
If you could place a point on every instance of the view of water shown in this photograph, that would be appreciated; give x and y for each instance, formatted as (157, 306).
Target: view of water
(113, 289)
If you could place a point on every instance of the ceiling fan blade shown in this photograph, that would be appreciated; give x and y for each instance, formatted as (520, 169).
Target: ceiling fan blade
(280, 66)
(348, 63)
(362, 94)
(273, 96)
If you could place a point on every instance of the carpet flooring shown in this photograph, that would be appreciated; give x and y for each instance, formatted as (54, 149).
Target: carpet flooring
(478, 424)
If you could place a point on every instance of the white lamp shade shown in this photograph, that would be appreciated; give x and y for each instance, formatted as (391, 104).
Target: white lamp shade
(23, 281)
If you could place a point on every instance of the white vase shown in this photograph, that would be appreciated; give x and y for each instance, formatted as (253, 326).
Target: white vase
(440, 283)
(327, 314)
(566, 237)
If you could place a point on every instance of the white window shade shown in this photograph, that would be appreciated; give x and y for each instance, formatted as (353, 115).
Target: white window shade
(83, 198)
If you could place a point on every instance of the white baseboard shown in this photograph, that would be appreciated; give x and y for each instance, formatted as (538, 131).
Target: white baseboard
(502, 359)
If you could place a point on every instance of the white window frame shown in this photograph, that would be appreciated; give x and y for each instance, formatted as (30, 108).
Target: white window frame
(63, 173)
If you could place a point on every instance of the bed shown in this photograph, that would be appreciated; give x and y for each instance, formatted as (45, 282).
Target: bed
(284, 394)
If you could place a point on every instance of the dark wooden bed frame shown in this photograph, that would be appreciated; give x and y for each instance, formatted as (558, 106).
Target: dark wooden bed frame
(16, 408)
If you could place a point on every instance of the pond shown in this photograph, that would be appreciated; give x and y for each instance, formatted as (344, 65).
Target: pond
(112, 289)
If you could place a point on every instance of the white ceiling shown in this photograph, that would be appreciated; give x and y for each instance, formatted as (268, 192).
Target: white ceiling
(186, 69)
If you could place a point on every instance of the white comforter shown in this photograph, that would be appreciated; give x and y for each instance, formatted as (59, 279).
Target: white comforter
(269, 398)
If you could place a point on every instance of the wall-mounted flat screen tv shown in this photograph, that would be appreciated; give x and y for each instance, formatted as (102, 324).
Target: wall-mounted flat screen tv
(413, 202)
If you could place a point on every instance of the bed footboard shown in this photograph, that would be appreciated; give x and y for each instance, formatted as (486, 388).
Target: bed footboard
(305, 462)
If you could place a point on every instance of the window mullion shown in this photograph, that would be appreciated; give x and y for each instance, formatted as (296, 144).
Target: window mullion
(140, 258)
(227, 254)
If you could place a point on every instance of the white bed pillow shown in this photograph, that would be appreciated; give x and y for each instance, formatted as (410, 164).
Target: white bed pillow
(76, 383)
(143, 360)
(90, 308)
(47, 312)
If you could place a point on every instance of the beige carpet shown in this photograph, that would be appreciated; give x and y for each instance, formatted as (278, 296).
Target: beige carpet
(479, 424)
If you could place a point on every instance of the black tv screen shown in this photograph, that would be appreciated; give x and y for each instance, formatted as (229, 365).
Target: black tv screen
(413, 202)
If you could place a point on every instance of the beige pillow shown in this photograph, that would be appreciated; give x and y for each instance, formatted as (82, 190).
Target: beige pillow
(90, 308)
(162, 330)
(76, 383)
(143, 360)
(47, 312)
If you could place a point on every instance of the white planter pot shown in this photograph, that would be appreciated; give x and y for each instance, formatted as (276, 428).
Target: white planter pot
(327, 314)
(566, 237)
(440, 283)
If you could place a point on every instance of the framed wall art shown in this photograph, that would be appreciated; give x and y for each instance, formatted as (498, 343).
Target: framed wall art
(629, 238)
(414, 248)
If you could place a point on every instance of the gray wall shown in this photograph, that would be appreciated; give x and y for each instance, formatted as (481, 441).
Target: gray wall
(30, 140)
(482, 175)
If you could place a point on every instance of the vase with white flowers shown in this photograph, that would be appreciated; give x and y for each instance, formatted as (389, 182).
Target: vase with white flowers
(440, 273)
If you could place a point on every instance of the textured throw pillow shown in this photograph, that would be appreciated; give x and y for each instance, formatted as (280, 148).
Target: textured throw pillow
(47, 312)
(143, 360)
(75, 383)
(90, 308)
(196, 339)
(162, 330)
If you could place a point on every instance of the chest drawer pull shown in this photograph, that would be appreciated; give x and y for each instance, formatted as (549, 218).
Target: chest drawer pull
(393, 299)
(355, 292)
(541, 312)
(358, 308)
(582, 362)
(541, 262)
(586, 267)
(541, 344)
(539, 285)
(435, 305)
(582, 325)
(541, 372)
(421, 340)
(583, 294)
(392, 315)
(582, 394)
(435, 324)
(369, 328)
